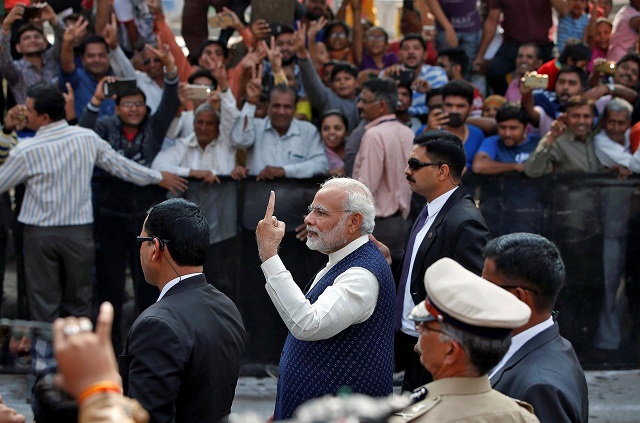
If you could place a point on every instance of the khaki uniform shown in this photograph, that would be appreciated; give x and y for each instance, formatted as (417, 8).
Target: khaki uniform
(465, 399)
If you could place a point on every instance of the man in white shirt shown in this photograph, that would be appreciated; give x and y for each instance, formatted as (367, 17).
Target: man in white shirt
(540, 366)
(341, 326)
(612, 146)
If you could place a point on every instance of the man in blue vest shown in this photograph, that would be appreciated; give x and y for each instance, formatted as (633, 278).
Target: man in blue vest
(341, 327)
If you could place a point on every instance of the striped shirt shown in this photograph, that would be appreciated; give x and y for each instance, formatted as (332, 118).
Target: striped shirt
(437, 78)
(7, 142)
(56, 166)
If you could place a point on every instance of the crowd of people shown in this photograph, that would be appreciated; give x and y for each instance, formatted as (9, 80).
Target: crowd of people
(108, 116)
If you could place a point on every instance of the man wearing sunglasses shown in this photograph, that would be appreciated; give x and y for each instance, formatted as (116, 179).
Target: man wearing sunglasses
(340, 326)
(450, 225)
(540, 366)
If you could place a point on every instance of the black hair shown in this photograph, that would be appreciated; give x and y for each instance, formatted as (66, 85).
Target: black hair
(384, 89)
(631, 57)
(183, 227)
(532, 260)
(445, 147)
(47, 99)
(344, 67)
(575, 52)
(534, 45)
(512, 111)
(284, 89)
(457, 56)
(414, 36)
(330, 26)
(207, 43)
(29, 27)
(573, 69)
(202, 73)
(458, 88)
(93, 39)
(335, 112)
(138, 92)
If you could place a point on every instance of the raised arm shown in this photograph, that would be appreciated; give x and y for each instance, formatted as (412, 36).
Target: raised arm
(488, 31)
(450, 33)
(71, 34)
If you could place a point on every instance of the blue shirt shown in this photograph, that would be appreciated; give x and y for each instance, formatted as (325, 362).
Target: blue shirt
(498, 151)
(570, 27)
(471, 145)
(84, 86)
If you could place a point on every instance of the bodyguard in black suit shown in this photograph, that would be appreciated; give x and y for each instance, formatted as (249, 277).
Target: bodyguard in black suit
(450, 225)
(540, 367)
(182, 356)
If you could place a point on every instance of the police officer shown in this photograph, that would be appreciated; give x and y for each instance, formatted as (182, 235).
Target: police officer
(465, 327)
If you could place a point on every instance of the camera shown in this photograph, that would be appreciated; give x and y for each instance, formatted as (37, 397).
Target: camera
(121, 87)
(535, 80)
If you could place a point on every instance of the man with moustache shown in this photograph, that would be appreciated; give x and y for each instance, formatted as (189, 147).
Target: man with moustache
(568, 146)
(449, 225)
(545, 106)
(527, 60)
(340, 326)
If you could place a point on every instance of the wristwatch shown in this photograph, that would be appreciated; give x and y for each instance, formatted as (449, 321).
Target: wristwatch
(170, 75)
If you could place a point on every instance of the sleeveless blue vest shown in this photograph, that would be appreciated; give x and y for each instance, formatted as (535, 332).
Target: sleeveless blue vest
(360, 357)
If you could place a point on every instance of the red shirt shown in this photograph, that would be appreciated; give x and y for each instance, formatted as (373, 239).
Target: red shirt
(551, 68)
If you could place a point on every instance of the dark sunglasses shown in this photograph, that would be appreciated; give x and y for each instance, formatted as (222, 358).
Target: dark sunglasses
(141, 239)
(415, 164)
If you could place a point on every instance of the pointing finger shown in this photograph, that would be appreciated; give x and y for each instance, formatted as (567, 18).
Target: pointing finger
(270, 206)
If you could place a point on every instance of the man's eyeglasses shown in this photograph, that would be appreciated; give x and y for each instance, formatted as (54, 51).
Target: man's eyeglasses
(322, 213)
(129, 104)
(422, 328)
(338, 35)
(141, 239)
(415, 164)
(376, 38)
(373, 100)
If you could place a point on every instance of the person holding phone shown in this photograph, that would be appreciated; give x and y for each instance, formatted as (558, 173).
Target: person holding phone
(138, 135)
(38, 63)
(457, 102)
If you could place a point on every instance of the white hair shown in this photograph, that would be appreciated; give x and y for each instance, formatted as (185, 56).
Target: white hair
(359, 200)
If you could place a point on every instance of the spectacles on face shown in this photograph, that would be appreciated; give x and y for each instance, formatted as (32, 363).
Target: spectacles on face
(376, 38)
(507, 287)
(141, 239)
(338, 35)
(422, 329)
(154, 60)
(373, 100)
(415, 164)
(321, 213)
(130, 104)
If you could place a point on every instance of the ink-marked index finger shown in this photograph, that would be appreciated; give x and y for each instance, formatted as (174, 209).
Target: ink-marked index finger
(270, 206)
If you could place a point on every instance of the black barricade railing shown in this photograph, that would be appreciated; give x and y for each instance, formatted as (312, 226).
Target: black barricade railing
(593, 218)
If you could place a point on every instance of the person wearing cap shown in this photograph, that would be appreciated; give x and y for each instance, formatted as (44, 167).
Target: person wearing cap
(540, 366)
(465, 326)
(492, 104)
(450, 225)
(341, 325)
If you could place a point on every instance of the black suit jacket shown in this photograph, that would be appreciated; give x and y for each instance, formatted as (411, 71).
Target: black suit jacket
(458, 232)
(546, 373)
(182, 356)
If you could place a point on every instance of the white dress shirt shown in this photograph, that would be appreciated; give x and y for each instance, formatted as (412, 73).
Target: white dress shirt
(350, 300)
(611, 153)
(300, 152)
(517, 341)
(174, 282)
(219, 156)
(434, 208)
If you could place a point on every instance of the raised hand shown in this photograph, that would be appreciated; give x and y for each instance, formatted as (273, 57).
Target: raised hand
(254, 86)
(273, 54)
(316, 26)
(110, 33)
(220, 74)
(269, 232)
(260, 29)
(16, 14)
(164, 53)
(74, 30)
(85, 358)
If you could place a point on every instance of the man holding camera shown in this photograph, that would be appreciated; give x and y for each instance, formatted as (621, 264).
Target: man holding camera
(137, 136)
(457, 101)
(38, 64)
(413, 68)
(615, 80)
